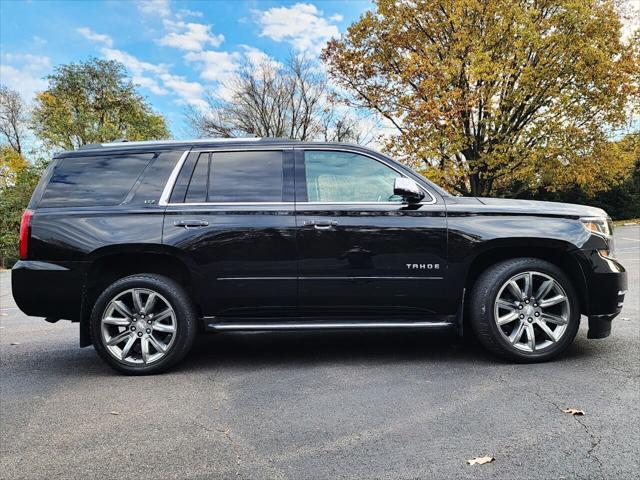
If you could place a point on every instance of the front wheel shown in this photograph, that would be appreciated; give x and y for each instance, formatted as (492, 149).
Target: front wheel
(524, 309)
(143, 324)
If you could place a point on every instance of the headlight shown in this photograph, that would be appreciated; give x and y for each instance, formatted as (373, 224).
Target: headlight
(599, 225)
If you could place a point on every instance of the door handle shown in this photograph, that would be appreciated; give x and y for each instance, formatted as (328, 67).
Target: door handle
(190, 223)
(320, 224)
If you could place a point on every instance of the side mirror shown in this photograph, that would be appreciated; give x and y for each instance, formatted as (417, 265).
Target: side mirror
(408, 190)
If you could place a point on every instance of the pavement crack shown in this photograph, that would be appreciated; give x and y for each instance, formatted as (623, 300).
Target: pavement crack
(227, 435)
(595, 440)
(234, 446)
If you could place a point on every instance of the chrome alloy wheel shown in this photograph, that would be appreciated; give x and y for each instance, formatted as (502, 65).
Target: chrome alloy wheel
(138, 326)
(532, 311)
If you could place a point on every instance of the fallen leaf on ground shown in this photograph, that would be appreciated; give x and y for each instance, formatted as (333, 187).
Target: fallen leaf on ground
(573, 411)
(480, 460)
(14, 343)
(114, 413)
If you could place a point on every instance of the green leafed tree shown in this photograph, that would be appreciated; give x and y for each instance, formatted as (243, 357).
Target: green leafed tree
(13, 200)
(93, 102)
(493, 92)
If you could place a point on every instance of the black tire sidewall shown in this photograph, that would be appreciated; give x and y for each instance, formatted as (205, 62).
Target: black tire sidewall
(185, 320)
(484, 297)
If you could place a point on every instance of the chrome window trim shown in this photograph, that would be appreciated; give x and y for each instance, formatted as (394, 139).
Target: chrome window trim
(173, 177)
(234, 204)
(365, 154)
(168, 188)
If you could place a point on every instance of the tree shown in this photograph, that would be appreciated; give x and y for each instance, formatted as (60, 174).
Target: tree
(93, 102)
(486, 92)
(11, 164)
(269, 99)
(14, 199)
(13, 119)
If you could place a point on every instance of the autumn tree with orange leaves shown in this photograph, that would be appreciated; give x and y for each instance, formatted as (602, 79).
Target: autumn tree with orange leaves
(488, 93)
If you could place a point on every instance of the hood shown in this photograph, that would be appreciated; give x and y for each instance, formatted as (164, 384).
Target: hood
(542, 208)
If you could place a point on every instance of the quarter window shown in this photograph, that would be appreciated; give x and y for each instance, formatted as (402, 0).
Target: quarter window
(336, 177)
(91, 181)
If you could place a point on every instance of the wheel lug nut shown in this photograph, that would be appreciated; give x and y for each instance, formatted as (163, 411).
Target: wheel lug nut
(530, 319)
(520, 307)
(142, 315)
(133, 329)
(139, 334)
(148, 330)
(149, 322)
(521, 316)
(526, 301)
(537, 314)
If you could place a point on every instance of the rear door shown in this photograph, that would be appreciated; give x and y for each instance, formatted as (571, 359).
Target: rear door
(363, 252)
(231, 217)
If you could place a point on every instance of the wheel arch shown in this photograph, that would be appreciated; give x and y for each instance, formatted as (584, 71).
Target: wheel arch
(560, 253)
(108, 264)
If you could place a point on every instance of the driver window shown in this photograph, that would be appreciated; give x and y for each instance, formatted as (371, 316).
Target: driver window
(337, 177)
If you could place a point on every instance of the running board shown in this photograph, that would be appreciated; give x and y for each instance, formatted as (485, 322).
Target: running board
(329, 325)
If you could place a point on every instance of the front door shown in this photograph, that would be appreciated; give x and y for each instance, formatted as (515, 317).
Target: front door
(231, 218)
(362, 251)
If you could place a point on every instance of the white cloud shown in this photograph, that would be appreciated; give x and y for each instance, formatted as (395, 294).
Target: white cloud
(142, 72)
(302, 25)
(150, 84)
(155, 7)
(189, 36)
(87, 33)
(214, 66)
(135, 66)
(38, 41)
(158, 79)
(257, 57)
(189, 93)
(185, 12)
(24, 73)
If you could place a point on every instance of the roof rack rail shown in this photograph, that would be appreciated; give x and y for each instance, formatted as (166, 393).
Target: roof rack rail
(177, 142)
(126, 143)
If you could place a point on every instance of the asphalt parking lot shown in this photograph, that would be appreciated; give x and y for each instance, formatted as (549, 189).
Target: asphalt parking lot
(322, 405)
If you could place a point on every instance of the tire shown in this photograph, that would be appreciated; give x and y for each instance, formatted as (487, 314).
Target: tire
(153, 340)
(495, 284)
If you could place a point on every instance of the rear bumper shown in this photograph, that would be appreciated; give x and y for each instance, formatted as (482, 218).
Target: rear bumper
(42, 289)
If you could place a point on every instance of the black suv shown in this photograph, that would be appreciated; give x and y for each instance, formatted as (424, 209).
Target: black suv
(146, 243)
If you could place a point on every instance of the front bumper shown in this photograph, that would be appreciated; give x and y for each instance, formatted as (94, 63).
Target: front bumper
(606, 288)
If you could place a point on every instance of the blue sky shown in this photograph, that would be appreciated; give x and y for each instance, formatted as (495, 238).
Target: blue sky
(176, 51)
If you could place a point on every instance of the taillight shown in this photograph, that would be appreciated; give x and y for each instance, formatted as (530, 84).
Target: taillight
(25, 233)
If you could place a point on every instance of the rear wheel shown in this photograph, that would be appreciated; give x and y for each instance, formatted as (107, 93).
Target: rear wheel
(143, 324)
(524, 309)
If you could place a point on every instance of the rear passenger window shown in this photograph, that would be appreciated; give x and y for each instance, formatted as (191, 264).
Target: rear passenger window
(91, 181)
(237, 177)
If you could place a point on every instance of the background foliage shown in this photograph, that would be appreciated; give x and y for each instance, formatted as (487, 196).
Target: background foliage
(485, 93)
